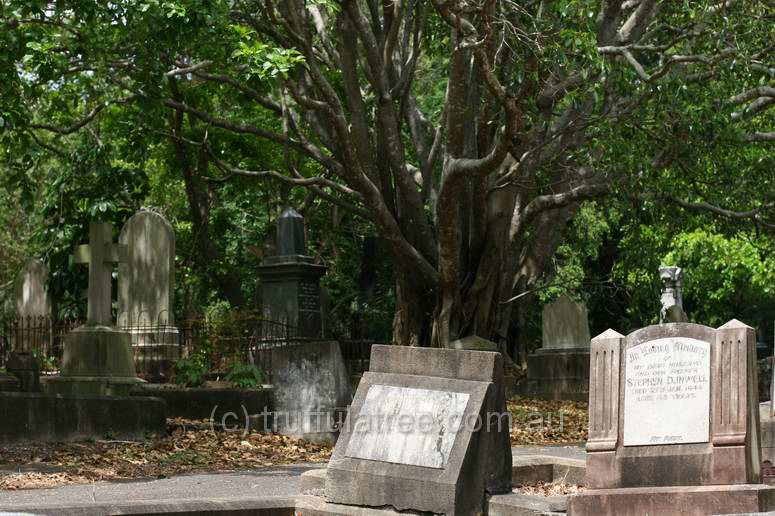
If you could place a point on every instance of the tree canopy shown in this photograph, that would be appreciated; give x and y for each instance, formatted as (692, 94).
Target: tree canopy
(501, 152)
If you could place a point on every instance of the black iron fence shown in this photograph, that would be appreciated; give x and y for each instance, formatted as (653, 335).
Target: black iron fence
(214, 345)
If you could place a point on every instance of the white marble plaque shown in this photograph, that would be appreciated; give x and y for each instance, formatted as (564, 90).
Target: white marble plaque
(667, 392)
(403, 425)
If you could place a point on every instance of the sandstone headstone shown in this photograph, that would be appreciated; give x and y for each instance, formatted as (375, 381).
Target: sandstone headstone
(565, 325)
(673, 423)
(31, 290)
(97, 357)
(427, 431)
(559, 369)
(290, 281)
(672, 295)
(146, 290)
(312, 390)
(33, 325)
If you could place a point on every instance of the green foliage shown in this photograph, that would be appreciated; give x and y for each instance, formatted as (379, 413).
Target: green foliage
(191, 372)
(245, 376)
(726, 277)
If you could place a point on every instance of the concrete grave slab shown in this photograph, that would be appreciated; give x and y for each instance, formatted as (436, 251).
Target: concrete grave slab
(418, 436)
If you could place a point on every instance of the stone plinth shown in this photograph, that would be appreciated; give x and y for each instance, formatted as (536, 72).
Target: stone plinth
(674, 501)
(411, 440)
(312, 390)
(97, 361)
(290, 293)
(673, 423)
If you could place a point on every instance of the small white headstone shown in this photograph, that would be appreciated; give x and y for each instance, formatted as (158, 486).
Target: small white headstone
(667, 392)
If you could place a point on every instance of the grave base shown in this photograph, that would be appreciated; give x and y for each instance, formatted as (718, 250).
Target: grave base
(97, 361)
(558, 374)
(674, 501)
(92, 385)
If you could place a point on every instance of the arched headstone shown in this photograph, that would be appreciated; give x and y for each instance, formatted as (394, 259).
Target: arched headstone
(32, 335)
(146, 292)
(31, 290)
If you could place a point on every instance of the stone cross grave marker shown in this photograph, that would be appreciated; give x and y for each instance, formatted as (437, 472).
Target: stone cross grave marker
(673, 423)
(97, 357)
(100, 254)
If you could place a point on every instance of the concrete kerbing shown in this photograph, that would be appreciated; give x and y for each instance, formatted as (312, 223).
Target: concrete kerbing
(313, 480)
(516, 504)
(317, 506)
(269, 506)
(529, 469)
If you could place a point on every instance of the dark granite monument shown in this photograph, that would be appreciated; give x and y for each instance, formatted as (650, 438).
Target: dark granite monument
(674, 424)
(290, 281)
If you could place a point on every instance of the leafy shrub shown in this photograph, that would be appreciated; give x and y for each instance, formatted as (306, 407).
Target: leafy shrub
(245, 376)
(190, 372)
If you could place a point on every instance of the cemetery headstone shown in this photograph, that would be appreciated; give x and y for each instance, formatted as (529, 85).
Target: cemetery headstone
(672, 295)
(97, 357)
(673, 423)
(31, 290)
(33, 324)
(290, 281)
(312, 390)
(146, 290)
(559, 369)
(425, 432)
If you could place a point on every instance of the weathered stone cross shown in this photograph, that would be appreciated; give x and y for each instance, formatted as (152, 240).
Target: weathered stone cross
(100, 253)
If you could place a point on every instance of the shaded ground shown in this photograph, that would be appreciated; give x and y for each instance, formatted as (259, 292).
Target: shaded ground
(540, 422)
(192, 447)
